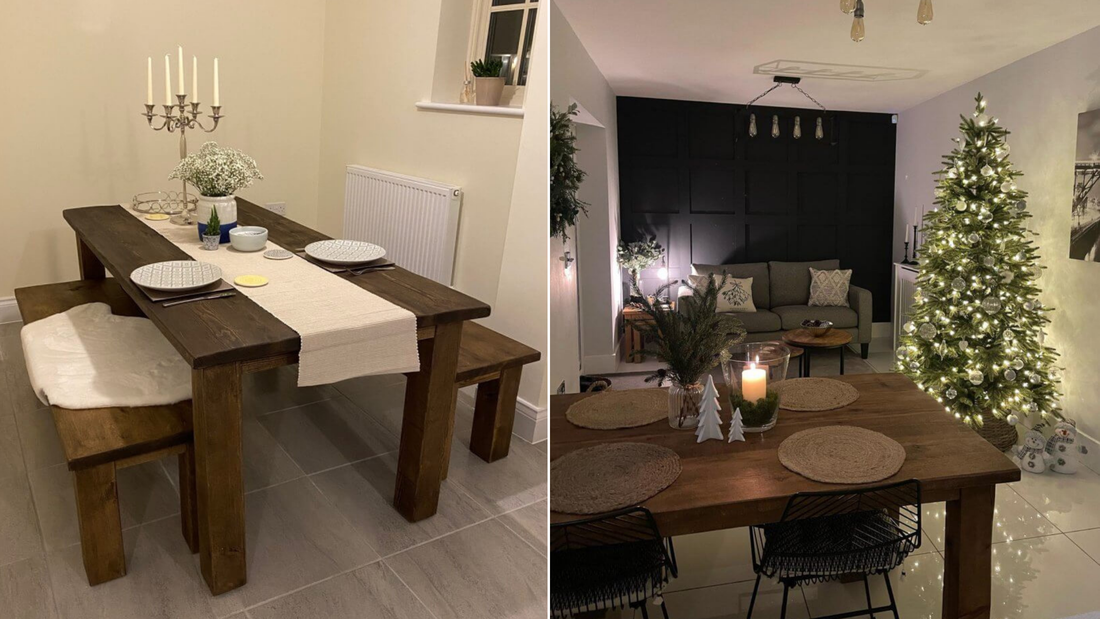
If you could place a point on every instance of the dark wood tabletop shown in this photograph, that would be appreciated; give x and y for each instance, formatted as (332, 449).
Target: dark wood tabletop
(731, 485)
(237, 329)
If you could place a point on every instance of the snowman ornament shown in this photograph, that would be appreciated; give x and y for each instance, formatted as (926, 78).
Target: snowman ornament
(1030, 454)
(1061, 451)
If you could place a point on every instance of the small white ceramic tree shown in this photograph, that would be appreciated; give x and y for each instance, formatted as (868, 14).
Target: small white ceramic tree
(737, 427)
(709, 421)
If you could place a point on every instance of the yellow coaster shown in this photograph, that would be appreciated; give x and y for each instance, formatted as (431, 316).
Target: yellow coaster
(156, 217)
(250, 281)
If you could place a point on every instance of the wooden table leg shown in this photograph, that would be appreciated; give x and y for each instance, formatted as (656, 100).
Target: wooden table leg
(216, 396)
(429, 395)
(968, 556)
(494, 414)
(842, 359)
(90, 266)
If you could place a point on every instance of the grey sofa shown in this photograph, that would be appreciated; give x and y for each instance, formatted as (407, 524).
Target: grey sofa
(781, 292)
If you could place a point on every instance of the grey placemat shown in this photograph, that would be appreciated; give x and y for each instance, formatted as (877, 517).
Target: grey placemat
(606, 477)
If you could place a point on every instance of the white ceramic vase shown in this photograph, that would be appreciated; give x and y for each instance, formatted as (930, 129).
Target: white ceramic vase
(227, 214)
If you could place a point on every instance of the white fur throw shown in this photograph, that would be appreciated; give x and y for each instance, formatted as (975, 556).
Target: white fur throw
(88, 358)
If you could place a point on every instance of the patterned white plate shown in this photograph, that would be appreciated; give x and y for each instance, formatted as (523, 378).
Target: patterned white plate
(176, 275)
(344, 251)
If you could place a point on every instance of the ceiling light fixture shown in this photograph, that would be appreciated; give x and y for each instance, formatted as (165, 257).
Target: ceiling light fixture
(847, 6)
(858, 31)
(793, 82)
(924, 12)
(857, 10)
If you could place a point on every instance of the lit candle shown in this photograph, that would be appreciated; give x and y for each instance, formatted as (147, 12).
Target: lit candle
(754, 383)
(149, 81)
(167, 81)
(194, 79)
(217, 84)
(179, 67)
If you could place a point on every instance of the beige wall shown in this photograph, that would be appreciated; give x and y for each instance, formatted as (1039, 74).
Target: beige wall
(1037, 99)
(72, 77)
(380, 59)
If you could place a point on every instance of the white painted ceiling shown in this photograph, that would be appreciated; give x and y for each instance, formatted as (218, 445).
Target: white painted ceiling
(707, 50)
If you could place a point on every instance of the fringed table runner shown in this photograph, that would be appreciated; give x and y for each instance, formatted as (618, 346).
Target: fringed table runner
(346, 331)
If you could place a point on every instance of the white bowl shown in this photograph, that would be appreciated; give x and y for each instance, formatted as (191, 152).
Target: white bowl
(248, 238)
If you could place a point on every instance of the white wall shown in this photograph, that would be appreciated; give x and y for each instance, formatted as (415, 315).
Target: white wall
(73, 85)
(1037, 99)
(380, 58)
(575, 78)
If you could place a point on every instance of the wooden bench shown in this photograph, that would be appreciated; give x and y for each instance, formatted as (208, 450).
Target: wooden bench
(97, 442)
(494, 363)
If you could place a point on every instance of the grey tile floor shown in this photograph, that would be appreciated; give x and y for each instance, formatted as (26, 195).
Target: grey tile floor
(323, 540)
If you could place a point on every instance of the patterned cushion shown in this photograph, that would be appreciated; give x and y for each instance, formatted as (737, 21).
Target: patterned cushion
(829, 288)
(735, 296)
(757, 271)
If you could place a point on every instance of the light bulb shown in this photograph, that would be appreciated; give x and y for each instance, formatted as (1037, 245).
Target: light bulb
(847, 6)
(819, 133)
(924, 12)
(662, 273)
(752, 125)
(775, 126)
(797, 133)
(858, 31)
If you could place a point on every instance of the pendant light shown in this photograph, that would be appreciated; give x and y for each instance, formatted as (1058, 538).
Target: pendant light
(924, 12)
(847, 6)
(819, 133)
(819, 130)
(858, 31)
(752, 125)
(775, 126)
(797, 133)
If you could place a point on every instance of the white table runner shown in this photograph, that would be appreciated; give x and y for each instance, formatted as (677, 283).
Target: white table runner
(346, 331)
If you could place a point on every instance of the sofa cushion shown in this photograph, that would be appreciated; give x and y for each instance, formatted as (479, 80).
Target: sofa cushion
(829, 288)
(758, 271)
(790, 281)
(758, 321)
(793, 315)
(735, 296)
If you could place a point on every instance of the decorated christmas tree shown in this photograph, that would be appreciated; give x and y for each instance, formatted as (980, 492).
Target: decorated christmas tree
(974, 337)
(709, 421)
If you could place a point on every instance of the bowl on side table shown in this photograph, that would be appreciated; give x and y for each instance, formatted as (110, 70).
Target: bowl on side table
(817, 328)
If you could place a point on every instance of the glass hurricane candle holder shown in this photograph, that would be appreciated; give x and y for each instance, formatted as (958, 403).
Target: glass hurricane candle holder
(751, 372)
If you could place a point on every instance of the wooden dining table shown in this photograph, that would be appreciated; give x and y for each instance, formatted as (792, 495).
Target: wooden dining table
(226, 338)
(726, 485)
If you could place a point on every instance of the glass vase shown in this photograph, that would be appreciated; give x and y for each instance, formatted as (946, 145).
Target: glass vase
(683, 405)
(751, 373)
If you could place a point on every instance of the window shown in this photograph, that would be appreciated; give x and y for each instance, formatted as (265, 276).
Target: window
(504, 29)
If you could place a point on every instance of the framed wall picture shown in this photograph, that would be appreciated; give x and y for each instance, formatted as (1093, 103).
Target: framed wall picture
(1084, 241)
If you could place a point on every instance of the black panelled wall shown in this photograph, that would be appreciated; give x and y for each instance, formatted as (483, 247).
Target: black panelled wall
(690, 174)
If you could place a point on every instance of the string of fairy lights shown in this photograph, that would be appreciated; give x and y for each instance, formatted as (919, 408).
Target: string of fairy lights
(974, 340)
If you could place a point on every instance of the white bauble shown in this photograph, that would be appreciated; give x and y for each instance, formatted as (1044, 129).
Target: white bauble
(951, 393)
(988, 261)
(960, 206)
(991, 305)
(1008, 335)
(1012, 419)
(903, 352)
(973, 237)
(975, 377)
(963, 345)
(985, 217)
(928, 331)
(1010, 374)
(1007, 186)
(987, 170)
(1017, 364)
(958, 284)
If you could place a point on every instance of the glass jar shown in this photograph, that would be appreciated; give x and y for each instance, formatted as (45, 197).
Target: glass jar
(751, 372)
(683, 405)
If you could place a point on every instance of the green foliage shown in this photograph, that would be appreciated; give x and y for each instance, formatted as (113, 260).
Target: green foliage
(214, 225)
(490, 67)
(974, 337)
(565, 176)
(758, 413)
(636, 256)
(689, 338)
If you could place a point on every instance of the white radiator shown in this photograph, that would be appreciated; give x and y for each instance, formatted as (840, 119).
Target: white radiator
(415, 220)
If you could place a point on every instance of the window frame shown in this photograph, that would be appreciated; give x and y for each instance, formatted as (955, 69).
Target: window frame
(479, 35)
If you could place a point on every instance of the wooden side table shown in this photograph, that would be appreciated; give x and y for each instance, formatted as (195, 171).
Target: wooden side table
(632, 337)
(835, 338)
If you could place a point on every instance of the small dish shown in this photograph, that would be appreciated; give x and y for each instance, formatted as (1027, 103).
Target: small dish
(248, 238)
(817, 328)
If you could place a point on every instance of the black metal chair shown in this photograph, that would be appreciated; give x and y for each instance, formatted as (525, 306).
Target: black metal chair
(824, 536)
(609, 561)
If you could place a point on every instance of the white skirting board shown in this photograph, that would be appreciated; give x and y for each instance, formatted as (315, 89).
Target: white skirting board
(9, 311)
(532, 424)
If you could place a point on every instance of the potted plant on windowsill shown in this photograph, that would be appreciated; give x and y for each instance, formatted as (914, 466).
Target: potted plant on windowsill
(689, 340)
(488, 84)
(636, 256)
(218, 173)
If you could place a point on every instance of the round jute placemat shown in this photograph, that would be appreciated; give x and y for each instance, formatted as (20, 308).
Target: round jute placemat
(611, 409)
(598, 479)
(815, 394)
(842, 455)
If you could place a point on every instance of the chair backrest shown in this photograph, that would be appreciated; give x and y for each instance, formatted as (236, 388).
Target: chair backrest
(900, 500)
(625, 526)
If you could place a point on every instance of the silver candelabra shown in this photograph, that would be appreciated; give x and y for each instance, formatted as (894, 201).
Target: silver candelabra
(179, 117)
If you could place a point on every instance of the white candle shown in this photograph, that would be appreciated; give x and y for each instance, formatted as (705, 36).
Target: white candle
(179, 67)
(194, 79)
(149, 81)
(167, 81)
(906, 234)
(217, 84)
(754, 383)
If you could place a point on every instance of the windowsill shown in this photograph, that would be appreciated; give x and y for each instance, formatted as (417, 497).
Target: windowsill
(469, 108)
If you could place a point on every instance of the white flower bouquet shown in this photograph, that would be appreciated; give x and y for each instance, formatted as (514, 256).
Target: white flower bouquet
(217, 171)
